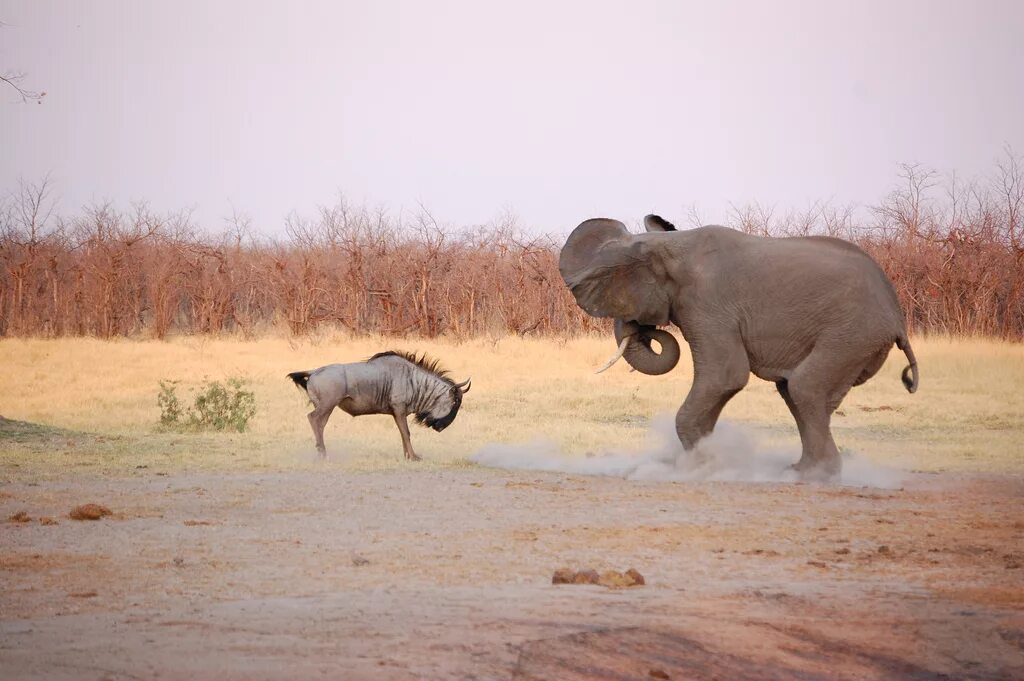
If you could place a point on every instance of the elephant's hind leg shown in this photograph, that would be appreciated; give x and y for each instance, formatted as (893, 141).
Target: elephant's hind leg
(815, 390)
(807, 400)
(824, 462)
(718, 374)
(872, 366)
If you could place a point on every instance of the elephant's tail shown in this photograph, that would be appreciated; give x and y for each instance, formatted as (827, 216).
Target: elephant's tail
(301, 378)
(909, 375)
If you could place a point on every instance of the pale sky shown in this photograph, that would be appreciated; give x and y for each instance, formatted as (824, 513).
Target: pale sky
(557, 111)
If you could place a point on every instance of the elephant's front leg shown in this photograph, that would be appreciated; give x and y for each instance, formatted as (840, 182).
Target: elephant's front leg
(718, 374)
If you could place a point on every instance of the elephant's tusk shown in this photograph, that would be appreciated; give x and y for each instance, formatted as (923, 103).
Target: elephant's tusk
(618, 355)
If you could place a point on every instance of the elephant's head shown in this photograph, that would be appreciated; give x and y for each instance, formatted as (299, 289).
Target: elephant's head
(613, 273)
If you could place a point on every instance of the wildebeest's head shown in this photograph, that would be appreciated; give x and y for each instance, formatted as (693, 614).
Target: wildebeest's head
(445, 407)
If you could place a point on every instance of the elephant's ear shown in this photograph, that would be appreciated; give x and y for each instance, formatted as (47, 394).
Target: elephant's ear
(656, 223)
(613, 273)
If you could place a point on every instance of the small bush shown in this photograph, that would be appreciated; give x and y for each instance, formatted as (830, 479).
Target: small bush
(170, 405)
(217, 406)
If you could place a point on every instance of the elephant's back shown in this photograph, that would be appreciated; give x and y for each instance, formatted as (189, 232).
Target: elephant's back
(819, 282)
(847, 259)
(821, 259)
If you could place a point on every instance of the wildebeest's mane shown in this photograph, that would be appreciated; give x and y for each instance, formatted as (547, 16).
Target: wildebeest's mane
(423, 362)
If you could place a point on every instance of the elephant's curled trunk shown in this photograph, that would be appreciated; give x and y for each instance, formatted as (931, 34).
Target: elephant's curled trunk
(637, 349)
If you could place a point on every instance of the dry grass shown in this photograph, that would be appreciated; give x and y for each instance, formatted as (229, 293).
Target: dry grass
(968, 415)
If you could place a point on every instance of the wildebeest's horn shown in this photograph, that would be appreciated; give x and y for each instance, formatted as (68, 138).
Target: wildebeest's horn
(617, 356)
(468, 383)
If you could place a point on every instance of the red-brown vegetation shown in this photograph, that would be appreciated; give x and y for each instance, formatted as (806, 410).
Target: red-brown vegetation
(954, 250)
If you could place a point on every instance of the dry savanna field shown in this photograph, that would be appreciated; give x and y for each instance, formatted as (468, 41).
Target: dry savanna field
(241, 552)
(214, 196)
(968, 415)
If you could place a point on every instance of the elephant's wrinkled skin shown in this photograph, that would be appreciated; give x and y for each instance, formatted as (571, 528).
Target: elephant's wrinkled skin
(814, 315)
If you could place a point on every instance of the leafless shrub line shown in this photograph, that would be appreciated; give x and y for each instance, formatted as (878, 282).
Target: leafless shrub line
(954, 250)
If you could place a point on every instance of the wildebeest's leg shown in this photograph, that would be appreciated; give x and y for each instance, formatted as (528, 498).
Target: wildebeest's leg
(318, 420)
(403, 428)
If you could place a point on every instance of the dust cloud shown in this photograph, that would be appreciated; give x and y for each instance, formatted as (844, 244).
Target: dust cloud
(730, 453)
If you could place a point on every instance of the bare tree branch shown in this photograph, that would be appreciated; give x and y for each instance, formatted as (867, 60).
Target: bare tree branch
(13, 79)
(26, 95)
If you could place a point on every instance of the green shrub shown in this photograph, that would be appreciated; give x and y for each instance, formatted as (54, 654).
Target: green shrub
(217, 406)
(170, 405)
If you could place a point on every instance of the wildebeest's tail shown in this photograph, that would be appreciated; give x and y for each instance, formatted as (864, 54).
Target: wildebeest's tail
(909, 375)
(301, 378)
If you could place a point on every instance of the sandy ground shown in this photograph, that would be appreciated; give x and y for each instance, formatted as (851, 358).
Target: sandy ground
(436, 574)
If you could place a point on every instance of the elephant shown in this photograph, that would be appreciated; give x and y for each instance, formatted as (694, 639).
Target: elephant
(815, 315)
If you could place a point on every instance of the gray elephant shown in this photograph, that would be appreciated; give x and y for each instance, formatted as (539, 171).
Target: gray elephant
(814, 315)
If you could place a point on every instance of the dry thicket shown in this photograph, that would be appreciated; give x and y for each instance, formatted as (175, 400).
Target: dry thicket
(953, 249)
(109, 273)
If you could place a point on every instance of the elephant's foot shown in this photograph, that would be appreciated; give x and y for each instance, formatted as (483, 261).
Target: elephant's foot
(810, 470)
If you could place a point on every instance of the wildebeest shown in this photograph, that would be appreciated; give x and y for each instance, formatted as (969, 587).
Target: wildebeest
(395, 383)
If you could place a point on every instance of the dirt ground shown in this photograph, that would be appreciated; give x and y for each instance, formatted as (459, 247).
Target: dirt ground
(435, 574)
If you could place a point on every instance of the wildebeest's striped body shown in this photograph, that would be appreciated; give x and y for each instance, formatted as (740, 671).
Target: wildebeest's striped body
(392, 383)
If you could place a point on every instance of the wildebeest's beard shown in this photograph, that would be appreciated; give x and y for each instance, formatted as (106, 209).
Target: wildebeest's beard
(440, 424)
